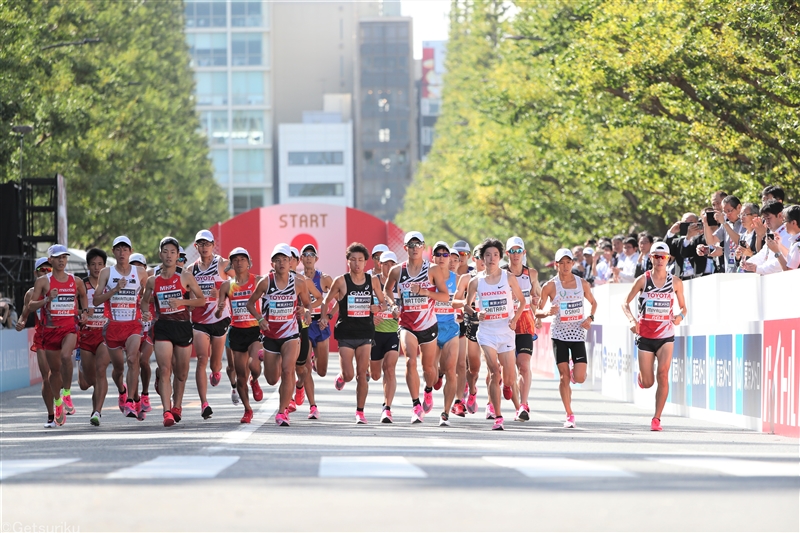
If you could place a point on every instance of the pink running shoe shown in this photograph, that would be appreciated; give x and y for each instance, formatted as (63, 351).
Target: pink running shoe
(313, 413)
(427, 402)
(498, 424)
(206, 411)
(281, 420)
(360, 418)
(261, 354)
(215, 378)
(292, 407)
(69, 408)
(489, 411)
(472, 404)
(458, 409)
(655, 424)
(570, 422)
(60, 415)
(145, 398)
(523, 413)
(386, 416)
(299, 395)
(417, 414)
(339, 384)
(122, 399)
(130, 409)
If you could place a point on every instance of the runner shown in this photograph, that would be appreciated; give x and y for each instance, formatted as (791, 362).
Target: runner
(319, 337)
(528, 281)
(447, 341)
(419, 284)
(172, 330)
(208, 331)
(385, 349)
(377, 250)
(495, 291)
(121, 292)
(567, 292)
(245, 335)
(303, 369)
(58, 294)
(146, 346)
(655, 328)
(469, 353)
(279, 293)
(355, 329)
(94, 354)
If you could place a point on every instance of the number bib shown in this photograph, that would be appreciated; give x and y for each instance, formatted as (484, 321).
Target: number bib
(358, 306)
(570, 311)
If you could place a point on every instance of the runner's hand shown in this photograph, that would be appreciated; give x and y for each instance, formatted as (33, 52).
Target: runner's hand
(676, 320)
(53, 294)
(20, 324)
(323, 322)
(146, 316)
(586, 324)
(635, 327)
(174, 303)
(415, 288)
(512, 324)
(553, 311)
(481, 315)
(213, 293)
(122, 282)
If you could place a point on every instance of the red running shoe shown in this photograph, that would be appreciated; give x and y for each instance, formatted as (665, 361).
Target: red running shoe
(169, 420)
(248, 416)
(258, 394)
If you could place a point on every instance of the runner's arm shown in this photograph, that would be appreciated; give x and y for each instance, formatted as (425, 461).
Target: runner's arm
(677, 285)
(441, 293)
(519, 297)
(587, 293)
(223, 295)
(391, 281)
(42, 286)
(190, 283)
(144, 303)
(548, 292)
(261, 288)
(23, 317)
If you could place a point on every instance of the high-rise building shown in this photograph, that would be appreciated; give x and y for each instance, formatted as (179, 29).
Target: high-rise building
(386, 114)
(430, 93)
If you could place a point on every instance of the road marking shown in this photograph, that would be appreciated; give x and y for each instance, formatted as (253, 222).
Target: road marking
(739, 467)
(260, 417)
(375, 466)
(177, 467)
(558, 467)
(25, 466)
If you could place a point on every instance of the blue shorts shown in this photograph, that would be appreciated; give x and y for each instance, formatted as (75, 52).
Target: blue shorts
(448, 329)
(316, 335)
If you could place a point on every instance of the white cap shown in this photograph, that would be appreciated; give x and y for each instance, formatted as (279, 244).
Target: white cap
(660, 248)
(453, 251)
(137, 258)
(562, 253)
(514, 241)
(181, 251)
(461, 246)
(379, 248)
(57, 250)
(588, 251)
(40, 262)
(413, 235)
(281, 248)
(122, 239)
(204, 235)
(309, 245)
(295, 252)
(441, 244)
(388, 256)
(239, 251)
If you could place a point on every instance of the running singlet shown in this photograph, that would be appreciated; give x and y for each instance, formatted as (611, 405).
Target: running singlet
(417, 312)
(238, 296)
(208, 279)
(61, 311)
(497, 302)
(444, 310)
(568, 319)
(124, 305)
(526, 323)
(388, 322)
(655, 309)
(316, 313)
(163, 291)
(98, 318)
(355, 315)
(280, 307)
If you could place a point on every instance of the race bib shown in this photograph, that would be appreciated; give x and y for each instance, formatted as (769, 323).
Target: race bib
(570, 311)
(358, 306)
(496, 309)
(63, 305)
(414, 302)
(281, 311)
(658, 310)
(163, 302)
(444, 308)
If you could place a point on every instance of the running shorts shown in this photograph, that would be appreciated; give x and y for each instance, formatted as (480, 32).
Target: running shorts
(241, 338)
(178, 332)
(316, 335)
(562, 350)
(274, 345)
(53, 338)
(448, 330)
(499, 342)
(426, 335)
(116, 333)
(652, 345)
(217, 329)
(384, 343)
(89, 339)
(524, 343)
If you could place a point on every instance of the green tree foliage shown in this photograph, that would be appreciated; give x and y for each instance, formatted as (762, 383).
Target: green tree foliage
(565, 119)
(115, 117)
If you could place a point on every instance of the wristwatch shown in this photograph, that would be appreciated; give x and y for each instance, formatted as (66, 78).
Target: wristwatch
(592, 317)
(777, 255)
(330, 316)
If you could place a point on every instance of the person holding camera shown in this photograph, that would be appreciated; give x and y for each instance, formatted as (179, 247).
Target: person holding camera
(791, 220)
(727, 233)
(683, 239)
(766, 261)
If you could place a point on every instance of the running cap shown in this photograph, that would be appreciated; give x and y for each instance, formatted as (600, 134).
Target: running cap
(137, 258)
(281, 249)
(461, 246)
(239, 251)
(453, 251)
(441, 244)
(476, 252)
(514, 241)
(181, 251)
(588, 251)
(169, 240)
(388, 256)
(304, 248)
(660, 248)
(379, 248)
(204, 235)
(294, 252)
(122, 239)
(413, 235)
(562, 253)
(40, 262)
(57, 250)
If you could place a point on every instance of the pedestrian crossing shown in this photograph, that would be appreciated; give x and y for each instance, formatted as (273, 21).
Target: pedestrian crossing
(176, 467)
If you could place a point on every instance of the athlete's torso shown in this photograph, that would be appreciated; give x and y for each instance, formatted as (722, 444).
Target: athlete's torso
(98, 318)
(124, 305)
(163, 291)
(417, 310)
(62, 310)
(208, 278)
(655, 308)
(238, 295)
(280, 307)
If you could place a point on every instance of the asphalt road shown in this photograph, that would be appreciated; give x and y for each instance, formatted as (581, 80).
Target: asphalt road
(610, 473)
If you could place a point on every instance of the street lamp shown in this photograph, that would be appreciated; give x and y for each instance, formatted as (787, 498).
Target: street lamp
(21, 130)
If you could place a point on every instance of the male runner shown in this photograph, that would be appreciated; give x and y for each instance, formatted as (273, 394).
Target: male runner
(385, 350)
(567, 292)
(447, 341)
(146, 346)
(469, 353)
(419, 284)
(377, 250)
(318, 337)
(655, 328)
(303, 369)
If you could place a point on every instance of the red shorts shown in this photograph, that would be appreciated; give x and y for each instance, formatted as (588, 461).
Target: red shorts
(37, 338)
(90, 338)
(53, 338)
(116, 333)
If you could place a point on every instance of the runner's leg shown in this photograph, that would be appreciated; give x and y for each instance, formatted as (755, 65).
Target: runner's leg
(164, 350)
(448, 364)
(202, 347)
(664, 356)
(410, 347)
(493, 366)
(181, 357)
(362, 354)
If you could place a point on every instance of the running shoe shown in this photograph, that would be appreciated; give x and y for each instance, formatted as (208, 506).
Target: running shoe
(215, 378)
(417, 414)
(386, 416)
(176, 413)
(438, 384)
(258, 394)
(299, 395)
(51, 423)
(498, 424)
(472, 404)
(427, 401)
(207, 412)
(523, 413)
(130, 409)
(292, 406)
(248, 416)
(235, 397)
(444, 420)
(339, 383)
(261, 354)
(458, 409)
(123, 396)
(313, 413)
(281, 420)
(95, 419)
(60, 416)
(169, 420)
(145, 401)
(286, 414)
(489, 411)
(360, 418)
(570, 422)
(507, 392)
(655, 424)
(140, 415)
(69, 408)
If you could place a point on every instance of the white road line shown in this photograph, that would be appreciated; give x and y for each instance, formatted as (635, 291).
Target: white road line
(373, 466)
(24, 466)
(558, 467)
(177, 467)
(260, 417)
(739, 467)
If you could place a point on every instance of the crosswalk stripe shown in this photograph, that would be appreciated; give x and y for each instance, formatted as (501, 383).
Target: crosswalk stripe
(369, 466)
(558, 467)
(177, 467)
(25, 466)
(738, 467)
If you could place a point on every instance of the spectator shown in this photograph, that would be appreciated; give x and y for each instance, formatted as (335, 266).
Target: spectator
(616, 247)
(766, 260)
(773, 192)
(749, 243)
(589, 261)
(644, 264)
(791, 219)
(626, 264)
(716, 200)
(579, 267)
(603, 264)
(684, 247)
(728, 234)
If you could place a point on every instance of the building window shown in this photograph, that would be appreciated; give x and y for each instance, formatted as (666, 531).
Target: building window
(208, 49)
(211, 88)
(316, 189)
(426, 135)
(248, 88)
(248, 166)
(246, 49)
(246, 14)
(248, 127)
(219, 159)
(316, 158)
(204, 14)
(215, 125)
(246, 199)
(384, 135)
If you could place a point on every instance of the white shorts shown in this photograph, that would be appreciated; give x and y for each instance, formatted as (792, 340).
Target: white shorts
(500, 342)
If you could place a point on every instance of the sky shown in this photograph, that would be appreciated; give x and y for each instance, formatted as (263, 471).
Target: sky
(430, 21)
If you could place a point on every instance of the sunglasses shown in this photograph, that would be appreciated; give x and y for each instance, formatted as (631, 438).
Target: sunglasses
(463, 254)
(46, 270)
(665, 257)
(516, 251)
(415, 245)
(181, 260)
(309, 254)
(441, 254)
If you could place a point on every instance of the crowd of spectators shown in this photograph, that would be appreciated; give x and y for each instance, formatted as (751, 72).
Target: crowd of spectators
(726, 237)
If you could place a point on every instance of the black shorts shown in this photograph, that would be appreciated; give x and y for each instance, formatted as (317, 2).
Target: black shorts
(353, 343)
(562, 350)
(385, 342)
(471, 330)
(652, 345)
(178, 332)
(426, 335)
(274, 345)
(242, 338)
(217, 329)
(524, 343)
(462, 329)
(305, 346)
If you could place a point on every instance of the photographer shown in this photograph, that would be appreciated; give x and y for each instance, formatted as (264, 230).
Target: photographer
(791, 220)
(749, 242)
(728, 232)
(766, 260)
(683, 238)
